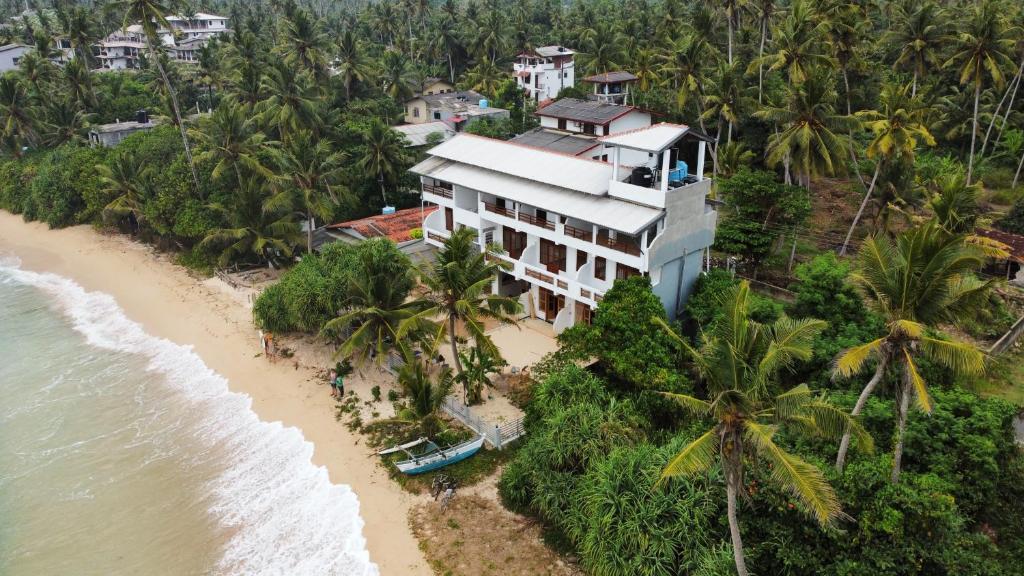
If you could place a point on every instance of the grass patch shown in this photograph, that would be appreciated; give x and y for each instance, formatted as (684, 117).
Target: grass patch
(1005, 378)
(467, 472)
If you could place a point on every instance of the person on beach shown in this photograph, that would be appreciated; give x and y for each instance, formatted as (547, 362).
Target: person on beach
(269, 347)
(263, 342)
(339, 386)
(331, 376)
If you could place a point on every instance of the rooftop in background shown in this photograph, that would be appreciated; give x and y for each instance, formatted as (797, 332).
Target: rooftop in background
(549, 51)
(417, 134)
(611, 77)
(120, 126)
(589, 111)
(1015, 242)
(448, 98)
(526, 162)
(7, 47)
(398, 226)
(556, 141)
(654, 138)
(196, 16)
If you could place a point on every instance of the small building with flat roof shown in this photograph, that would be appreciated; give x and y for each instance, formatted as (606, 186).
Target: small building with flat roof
(11, 55)
(109, 135)
(612, 87)
(419, 134)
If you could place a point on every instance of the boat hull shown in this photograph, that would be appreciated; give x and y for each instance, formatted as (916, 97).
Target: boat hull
(440, 459)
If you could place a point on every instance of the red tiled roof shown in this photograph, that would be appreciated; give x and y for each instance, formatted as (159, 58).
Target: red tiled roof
(397, 226)
(1014, 242)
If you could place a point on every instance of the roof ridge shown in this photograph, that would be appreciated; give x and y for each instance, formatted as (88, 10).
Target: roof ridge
(531, 147)
(641, 129)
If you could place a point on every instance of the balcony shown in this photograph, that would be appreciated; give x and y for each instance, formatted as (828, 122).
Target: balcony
(579, 233)
(438, 190)
(494, 208)
(622, 244)
(543, 223)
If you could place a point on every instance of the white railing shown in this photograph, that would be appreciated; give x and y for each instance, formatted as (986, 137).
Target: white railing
(497, 435)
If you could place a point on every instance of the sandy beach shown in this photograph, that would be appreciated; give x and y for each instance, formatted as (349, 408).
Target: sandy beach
(215, 320)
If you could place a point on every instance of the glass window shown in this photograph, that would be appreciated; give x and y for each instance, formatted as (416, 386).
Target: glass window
(599, 267)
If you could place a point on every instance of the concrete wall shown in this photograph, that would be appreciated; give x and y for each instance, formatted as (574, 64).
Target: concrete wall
(9, 58)
(411, 107)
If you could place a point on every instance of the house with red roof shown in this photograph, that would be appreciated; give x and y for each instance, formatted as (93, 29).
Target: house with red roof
(403, 227)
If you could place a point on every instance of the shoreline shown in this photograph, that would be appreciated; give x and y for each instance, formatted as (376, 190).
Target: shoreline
(171, 303)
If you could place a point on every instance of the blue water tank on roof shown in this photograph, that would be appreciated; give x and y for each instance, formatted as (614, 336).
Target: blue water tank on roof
(484, 103)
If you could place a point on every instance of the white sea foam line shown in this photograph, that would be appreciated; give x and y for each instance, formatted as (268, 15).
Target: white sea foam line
(290, 519)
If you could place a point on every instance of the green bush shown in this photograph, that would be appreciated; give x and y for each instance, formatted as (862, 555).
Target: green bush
(66, 176)
(16, 184)
(705, 304)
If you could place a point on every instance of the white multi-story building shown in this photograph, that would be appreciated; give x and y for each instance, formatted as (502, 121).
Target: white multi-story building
(121, 50)
(571, 226)
(544, 71)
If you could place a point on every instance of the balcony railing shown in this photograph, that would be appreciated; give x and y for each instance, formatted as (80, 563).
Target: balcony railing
(579, 233)
(543, 223)
(437, 190)
(621, 244)
(499, 210)
(542, 277)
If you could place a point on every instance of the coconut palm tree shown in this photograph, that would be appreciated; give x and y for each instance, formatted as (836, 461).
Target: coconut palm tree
(230, 140)
(445, 41)
(425, 387)
(78, 84)
(17, 115)
(921, 280)
(983, 49)
(728, 98)
(304, 43)
(81, 29)
(954, 202)
(799, 48)
(291, 100)
(65, 121)
(898, 127)
(685, 67)
(766, 11)
(383, 155)
(457, 281)
(309, 178)
(397, 77)
(813, 137)
(485, 77)
(125, 179)
(252, 231)
(350, 63)
(379, 312)
(918, 35)
(739, 364)
(152, 15)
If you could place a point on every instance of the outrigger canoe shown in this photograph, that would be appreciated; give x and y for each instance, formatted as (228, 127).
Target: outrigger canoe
(434, 457)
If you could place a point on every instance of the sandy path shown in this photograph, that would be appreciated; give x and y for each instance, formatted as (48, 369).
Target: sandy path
(171, 304)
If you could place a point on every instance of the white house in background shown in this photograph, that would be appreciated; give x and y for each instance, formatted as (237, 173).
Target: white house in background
(571, 226)
(456, 109)
(543, 72)
(611, 87)
(11, 55)
(594, 119)
(121, 49)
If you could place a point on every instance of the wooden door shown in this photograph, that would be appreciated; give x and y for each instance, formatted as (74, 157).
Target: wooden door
(549, 304)
(449, 218)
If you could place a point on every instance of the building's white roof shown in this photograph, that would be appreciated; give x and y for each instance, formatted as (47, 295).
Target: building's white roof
(601, 210)
(653, 138)
(541, 166)
(548, 51)
(198, 16)
(417, 134)
(7, 47)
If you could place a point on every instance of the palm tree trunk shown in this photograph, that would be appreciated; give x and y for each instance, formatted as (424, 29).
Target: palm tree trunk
(309, 232)
(995, 114)
(1009, 107)
(174, 106)
(729, 19)
(451, 67)
(792, 254)
(844, 444)
(731, 487)
(901, 428)
(760, 64)
(1016, 176)
(974, 132)
(913, 87)
(860, 211)
(455, 345)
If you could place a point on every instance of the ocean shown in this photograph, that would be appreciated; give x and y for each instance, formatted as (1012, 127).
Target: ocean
(123, 454)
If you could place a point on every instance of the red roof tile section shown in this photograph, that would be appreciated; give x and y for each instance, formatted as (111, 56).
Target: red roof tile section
(1015, 242)
(398, 226)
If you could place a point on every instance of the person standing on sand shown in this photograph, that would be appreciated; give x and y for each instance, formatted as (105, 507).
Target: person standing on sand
(330, 380)
(269, 338)
(339, 386)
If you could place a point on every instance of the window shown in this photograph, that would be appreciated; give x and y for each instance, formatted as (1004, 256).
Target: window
(581, 259)
(589, 129)
(561, 123)
(437, 115)
(622, 272)
(565, 74)
(599, 266)
(513, 242)
(552, 255)
(416, 112)
(542, 215)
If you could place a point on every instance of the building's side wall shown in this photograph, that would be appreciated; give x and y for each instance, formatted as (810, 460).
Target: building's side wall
(416, 111)
(9, 59)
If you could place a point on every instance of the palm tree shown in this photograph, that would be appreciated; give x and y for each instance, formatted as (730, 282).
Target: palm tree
(229, 138)
(457, 281)
(65, 122)
(740, 363)
(78, 82)
(151, 15)
(379, 311)
(396, 76)
(982, 49)
(477, 368)
(425, 390)
(81, 29)
(766, 10)
(290, 101)
(919, 32)
(485, 77)
(813, 137)
(350, 64)
(310, 173)
(954, 202)
(798, 45)
(253, 231)
(897, 128)
(383, 155)
(445, 41)
(305, 44)
(17, 114)
(124, 178)
(685, 66)
(727, 98)
(916, 283)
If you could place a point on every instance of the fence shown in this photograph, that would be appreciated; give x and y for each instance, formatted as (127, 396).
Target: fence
(1009, 338)
(494, 434)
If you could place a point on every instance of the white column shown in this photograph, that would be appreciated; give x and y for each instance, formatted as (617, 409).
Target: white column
(615, 164)
(666, 157)
(700, 159)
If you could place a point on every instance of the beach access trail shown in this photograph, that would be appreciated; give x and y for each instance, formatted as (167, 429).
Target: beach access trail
(172, 304)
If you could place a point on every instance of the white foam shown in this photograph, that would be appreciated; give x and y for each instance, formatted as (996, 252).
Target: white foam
(287, 518)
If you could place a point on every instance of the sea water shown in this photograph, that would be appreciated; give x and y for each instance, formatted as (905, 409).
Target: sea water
(123, 454)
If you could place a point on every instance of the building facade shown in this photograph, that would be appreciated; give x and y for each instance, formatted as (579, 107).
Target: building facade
(456, 109)
(11, 55)
(571, 226)
(544, 71)
(121, 50)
